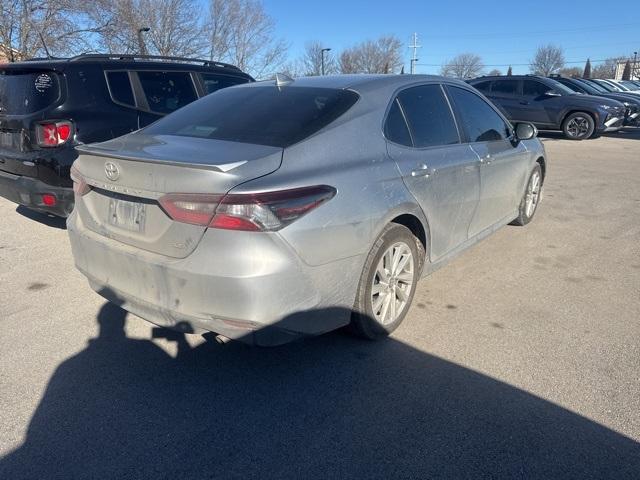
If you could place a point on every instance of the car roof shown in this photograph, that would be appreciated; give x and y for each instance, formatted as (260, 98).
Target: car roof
(127, 61)
(361, 82)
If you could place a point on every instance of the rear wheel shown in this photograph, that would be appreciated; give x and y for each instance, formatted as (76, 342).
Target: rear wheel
(578, 126)
(387, 283)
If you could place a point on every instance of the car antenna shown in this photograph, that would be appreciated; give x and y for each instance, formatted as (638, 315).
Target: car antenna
(282, 79)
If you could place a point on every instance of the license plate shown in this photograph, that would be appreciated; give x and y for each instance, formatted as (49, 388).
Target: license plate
(127, 215)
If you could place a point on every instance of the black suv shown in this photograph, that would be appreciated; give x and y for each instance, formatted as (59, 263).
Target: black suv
(47, 107)
(631, 102)
(549, 105)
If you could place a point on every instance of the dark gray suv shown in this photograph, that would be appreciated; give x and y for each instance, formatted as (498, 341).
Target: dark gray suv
(549, 105)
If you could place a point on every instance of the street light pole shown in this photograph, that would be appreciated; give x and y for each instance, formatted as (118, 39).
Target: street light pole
(322, 58)
(141, 45)
(634, 70)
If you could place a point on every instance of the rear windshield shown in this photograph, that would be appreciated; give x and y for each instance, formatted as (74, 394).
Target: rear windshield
(23, 92)
(265, 115)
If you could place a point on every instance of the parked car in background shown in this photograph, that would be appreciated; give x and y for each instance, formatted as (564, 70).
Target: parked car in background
(613, 86)
(319, 203)
(631, 102)
(549, 105)
(631, 85)
(48, 107)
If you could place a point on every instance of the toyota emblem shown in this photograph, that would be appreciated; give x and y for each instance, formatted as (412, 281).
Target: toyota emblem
(111, 171)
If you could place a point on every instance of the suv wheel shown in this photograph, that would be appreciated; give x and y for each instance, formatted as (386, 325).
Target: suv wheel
(578, 126)
(388, 283)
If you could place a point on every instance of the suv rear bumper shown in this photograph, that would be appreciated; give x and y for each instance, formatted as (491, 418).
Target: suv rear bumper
(28, 191)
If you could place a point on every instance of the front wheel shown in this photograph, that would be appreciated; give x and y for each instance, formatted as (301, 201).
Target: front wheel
(387, 283)
(578, 126)
(531, 198)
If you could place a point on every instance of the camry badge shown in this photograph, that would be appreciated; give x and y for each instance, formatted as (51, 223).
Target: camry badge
(111, 171)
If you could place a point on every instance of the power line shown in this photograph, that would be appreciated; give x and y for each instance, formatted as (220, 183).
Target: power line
(508, 64)
(538, 32)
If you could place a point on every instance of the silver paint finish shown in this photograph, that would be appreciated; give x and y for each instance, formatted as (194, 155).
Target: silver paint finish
(183, 273)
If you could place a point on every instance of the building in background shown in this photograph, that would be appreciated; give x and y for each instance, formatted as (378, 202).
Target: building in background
(635, 70)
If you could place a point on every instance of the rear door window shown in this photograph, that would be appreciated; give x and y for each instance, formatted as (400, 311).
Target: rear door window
(120, 88)
(213, 82)
(167, 91)
(23, 92)
(505, 87)
(480, 121)
(262, 115)
(429, 116)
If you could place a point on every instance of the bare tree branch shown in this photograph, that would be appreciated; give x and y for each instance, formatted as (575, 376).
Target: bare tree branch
(465, 66)
(383, 55)
(547, 60)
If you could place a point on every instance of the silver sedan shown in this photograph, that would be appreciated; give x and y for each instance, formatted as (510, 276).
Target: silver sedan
(275, 210)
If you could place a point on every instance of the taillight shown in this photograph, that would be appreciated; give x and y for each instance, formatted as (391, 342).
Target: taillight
(80, 186)
(52, 134)
(269, 211)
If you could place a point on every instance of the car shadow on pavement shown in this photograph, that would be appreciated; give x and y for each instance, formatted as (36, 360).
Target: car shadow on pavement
(44, 218)
(328, 407)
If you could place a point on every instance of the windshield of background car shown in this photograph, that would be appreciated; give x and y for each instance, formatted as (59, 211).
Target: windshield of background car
(265, 115)
(24, 92)
(590, 88)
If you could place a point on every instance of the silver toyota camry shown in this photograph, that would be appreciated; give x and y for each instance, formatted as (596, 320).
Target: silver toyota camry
(274, 210)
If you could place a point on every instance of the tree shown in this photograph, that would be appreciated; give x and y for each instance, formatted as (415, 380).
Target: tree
(383, 55)
(510, 71)
(547, 60)
(495, 72)
(174, 26)
(607, 69)
(312, 59)
(626, 73)
(63, 27)
(465, 66)
(241, 32)
(587, 69)
(570, 72)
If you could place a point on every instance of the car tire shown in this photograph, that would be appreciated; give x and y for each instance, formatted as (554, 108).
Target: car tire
(578, 126)
(531, 198)
(384, 296)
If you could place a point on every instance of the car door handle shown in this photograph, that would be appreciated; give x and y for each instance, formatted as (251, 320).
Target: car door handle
(423, 171)
(524, 103)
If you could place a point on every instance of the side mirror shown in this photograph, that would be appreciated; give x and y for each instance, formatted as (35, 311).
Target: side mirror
(526, 131)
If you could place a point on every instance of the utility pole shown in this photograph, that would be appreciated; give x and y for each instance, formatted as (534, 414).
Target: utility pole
(322, 58)
(141, 45)
(634, 70)
(414, 57)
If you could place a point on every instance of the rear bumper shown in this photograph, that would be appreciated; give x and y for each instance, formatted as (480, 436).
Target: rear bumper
(251, 288)
(28, 191)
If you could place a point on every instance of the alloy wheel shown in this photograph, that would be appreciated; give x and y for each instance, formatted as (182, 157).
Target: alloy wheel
(578, 127)
(392, 283)
(533, 194)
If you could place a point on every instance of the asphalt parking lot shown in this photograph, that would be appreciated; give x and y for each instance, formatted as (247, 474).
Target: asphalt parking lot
(521, 359)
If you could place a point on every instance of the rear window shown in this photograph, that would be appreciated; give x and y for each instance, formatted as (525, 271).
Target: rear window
(264, 115)
(23, 92)
(120, 87)
(213, 82)
(167, 91)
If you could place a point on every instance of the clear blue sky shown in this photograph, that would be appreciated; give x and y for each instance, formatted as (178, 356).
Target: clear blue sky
(500, 32)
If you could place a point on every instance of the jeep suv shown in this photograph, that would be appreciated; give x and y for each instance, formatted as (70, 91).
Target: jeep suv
(47, 107)
(549, 105)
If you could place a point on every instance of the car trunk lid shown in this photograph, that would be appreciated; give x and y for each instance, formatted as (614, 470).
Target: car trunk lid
(129, 175)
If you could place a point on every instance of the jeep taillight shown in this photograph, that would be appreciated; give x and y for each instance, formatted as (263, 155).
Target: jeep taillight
(53, 134)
